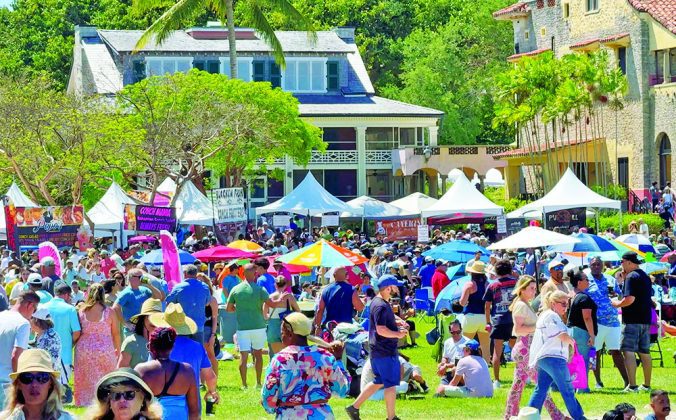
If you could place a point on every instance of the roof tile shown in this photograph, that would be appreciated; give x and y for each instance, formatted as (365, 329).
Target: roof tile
(663, 11)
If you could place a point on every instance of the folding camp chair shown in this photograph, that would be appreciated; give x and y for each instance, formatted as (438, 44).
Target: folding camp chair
(655, 335)
(424, 308)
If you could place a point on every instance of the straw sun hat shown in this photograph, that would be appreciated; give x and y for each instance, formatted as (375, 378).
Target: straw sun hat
(34, 360)
(174, 317)
(477, 267)
(149, 307)
(120, 377)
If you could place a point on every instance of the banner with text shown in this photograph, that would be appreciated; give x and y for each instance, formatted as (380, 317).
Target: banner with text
(396, 230)
(229, 205)
(149, 218)
(568, 220)
(58, 225)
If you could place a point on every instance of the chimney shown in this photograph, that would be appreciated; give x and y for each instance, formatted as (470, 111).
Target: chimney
(346, 33)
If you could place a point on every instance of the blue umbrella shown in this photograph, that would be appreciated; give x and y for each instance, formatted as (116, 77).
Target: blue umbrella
(587, 243)
(155, 257)
(450, 293)
(457, 251)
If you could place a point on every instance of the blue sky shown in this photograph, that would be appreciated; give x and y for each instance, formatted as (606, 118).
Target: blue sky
(5, 2)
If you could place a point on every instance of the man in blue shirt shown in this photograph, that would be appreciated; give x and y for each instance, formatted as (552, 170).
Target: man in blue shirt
(601, 286)
(67, 326)
(264, 279)
(131, 298)
(426, 272)
(194, 296)
(671, 277)
(339, 300)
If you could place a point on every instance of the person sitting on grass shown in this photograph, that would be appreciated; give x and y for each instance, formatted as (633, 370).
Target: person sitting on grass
(473, 370)
(659, 402)
(452, 353)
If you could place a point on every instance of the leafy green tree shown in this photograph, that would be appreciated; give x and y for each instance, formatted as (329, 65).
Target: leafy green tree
(198, 121)
(184, 10)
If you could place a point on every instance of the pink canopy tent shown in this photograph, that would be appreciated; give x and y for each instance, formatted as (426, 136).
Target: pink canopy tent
(221, 253)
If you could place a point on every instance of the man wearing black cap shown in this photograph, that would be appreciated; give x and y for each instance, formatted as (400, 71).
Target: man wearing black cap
(636, 314)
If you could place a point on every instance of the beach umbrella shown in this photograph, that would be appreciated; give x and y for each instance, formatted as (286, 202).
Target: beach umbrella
(141, 238)
(353, 273)
(154, 257)
(665, 257)
(533, 237)
(247, 246)
(651, 268)
(221, 253)
(450, 293)
(323, 254)
(637, 241)
(293, 269)
(587, 243)
(457, 251)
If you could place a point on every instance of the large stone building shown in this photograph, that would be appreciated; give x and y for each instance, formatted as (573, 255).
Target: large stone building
(641, 37)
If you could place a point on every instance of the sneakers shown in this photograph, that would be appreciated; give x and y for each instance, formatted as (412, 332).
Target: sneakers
(599, 385)
(352, 413)
(496, 384)
(630, 389)
(643, 388)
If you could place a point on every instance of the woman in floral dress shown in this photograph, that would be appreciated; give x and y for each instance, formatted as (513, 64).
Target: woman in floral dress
(97, 349)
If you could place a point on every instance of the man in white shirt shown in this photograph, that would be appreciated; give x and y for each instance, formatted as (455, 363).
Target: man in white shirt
(643, 228)
(14, 332)
(4, 263)
(453, 351)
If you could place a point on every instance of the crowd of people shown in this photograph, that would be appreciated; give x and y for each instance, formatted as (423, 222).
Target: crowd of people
(107, 333)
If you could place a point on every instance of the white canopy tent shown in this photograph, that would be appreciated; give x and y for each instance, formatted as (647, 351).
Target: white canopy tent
(463, 200)
(533, 237)
(19, 199)
(108, 214)
(414, 203)
(376, 210)
(193, 207)
(308, 198)
(568, 193)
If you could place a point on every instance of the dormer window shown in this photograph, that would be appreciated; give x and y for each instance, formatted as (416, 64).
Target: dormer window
(305, 75)
(159, 66)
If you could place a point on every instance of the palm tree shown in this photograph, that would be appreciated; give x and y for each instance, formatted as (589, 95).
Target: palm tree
(175, 17)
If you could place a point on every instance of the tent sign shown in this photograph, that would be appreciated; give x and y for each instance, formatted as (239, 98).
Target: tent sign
(330, 220)
(501, 222)
(423, 233)
(281, 221)
(229, 205)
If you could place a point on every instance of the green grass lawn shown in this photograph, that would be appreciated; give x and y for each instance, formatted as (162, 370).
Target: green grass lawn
(246, 404)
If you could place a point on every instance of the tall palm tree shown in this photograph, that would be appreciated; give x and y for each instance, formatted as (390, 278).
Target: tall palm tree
(175, 17)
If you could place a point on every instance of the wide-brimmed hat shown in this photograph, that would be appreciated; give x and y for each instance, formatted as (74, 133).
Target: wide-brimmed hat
(477, 267)
(174, 317)
(149, 307)
(34, 360)
(120, 377)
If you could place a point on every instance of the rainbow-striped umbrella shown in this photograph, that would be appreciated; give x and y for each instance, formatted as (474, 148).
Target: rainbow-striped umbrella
(322, 254)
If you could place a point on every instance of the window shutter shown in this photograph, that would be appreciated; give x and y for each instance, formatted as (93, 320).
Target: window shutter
(332, 77)
(275, 75)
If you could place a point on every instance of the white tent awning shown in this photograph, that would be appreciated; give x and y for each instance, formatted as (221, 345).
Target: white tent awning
(19, 199)
(193, 207)
(568, 193)
(375, 209)
(463, 200)
(108, 213)
(414, 203)
(533, 237)
(309, 197)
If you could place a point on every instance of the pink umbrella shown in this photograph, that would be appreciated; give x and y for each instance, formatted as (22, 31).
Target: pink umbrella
(221, 253)
(665, 257)
(142, 238)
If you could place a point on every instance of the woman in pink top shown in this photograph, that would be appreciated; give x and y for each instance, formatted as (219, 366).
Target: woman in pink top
(98, 347)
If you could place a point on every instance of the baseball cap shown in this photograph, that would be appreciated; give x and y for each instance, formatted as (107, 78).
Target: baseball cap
(554, 264)
(471, 344)
(48, 262)
(42, 313)
(35, 278)
(441, 261)
(300, 324)
(631, 256)
(387, 280)
(429, 259)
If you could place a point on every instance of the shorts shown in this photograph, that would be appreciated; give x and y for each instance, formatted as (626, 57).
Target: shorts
(251, 339)
(386, 371)
(610, 336)
(274, 330)
(636, 338)
(473, 323)
(502, 332)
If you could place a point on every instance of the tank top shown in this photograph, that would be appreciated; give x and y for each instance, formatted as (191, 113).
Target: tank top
(475, 303)
(173, 406)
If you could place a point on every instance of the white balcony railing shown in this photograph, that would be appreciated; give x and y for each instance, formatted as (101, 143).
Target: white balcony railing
(344, 156)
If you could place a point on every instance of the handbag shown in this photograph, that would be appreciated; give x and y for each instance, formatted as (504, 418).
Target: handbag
(433, 336)
(288, 311)
(578, 371)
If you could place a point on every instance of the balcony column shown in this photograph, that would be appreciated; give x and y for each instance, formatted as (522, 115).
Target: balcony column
(361, 161)
(433, 183)
(408, 185)
(288, 180)
(444, 178)
(434, 136)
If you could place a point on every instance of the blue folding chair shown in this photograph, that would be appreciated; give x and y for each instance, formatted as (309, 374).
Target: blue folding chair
(422, 304)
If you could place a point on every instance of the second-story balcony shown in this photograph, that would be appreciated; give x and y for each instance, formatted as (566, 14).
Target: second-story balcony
(373, 157)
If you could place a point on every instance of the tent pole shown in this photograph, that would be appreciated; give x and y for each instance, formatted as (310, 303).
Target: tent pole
(621, 221)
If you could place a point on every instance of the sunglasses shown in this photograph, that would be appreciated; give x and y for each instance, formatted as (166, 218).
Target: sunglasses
(29, 378)
(117, 396)
(558, 268)
(456, 332)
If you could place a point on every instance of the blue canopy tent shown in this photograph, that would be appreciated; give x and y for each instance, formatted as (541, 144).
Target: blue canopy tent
(155, 257)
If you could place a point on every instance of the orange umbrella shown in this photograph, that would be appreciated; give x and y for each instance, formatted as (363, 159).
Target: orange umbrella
(247, 246)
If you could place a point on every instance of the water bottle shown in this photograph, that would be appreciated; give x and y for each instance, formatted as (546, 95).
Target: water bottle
(210, 405)
(592, 358)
